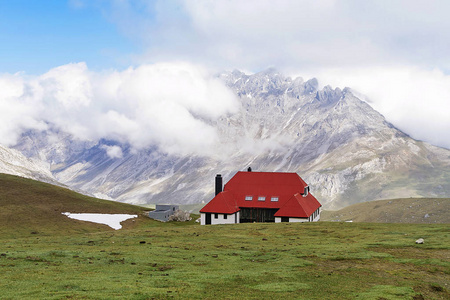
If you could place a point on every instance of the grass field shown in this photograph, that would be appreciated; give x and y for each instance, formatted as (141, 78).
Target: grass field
(152, 260)
(245, 261)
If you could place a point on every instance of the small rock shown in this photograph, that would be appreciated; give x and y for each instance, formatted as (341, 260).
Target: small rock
(420, 241)
(426, 216)
(142, 242)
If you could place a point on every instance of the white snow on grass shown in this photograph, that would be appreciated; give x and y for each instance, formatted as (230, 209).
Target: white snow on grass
(112, 220)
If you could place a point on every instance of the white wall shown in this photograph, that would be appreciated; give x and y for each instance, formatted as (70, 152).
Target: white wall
(298, 220)
(220, 219)
(292, 220)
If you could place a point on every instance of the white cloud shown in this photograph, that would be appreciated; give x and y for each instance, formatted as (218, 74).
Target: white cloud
(288, 34)
(168, 104)
(17, 112)
(113, 151)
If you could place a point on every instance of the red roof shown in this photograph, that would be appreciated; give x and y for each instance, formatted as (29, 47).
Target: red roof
(223, 203)
(264, 188)
(299, 207)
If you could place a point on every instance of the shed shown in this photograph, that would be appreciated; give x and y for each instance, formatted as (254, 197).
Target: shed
(163, 212)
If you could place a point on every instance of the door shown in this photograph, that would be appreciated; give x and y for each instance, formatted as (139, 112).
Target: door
(208, 219)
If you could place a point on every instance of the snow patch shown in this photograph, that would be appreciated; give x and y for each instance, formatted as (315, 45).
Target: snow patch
(112, 220)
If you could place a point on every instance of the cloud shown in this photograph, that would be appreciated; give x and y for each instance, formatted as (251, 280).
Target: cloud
(17, 112)
(170, 105)
(113, 151)
(287, 34)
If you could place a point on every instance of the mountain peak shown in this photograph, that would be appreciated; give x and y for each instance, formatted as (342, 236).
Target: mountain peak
(328, 95)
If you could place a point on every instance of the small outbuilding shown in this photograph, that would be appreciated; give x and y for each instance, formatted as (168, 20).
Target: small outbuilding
(163, 212)
(261, 197)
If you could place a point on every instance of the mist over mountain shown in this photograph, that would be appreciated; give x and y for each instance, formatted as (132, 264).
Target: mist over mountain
(345, 150)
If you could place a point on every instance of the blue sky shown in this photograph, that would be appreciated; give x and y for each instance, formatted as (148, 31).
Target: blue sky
(394, 52)
(39, 35)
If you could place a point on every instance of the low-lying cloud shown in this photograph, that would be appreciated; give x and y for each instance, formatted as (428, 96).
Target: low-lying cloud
(169, 105)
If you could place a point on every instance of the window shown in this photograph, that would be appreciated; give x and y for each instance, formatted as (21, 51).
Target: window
(274, 199)
(248, 198)
(225, 216)
(216, 216)
(261, 198)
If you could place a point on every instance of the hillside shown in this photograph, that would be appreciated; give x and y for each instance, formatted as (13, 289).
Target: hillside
(409, 210)
(32, 207)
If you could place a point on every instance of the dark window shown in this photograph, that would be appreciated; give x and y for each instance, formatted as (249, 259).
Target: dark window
(284, 219)
(250, 215)
(225, 216)
(216, 216)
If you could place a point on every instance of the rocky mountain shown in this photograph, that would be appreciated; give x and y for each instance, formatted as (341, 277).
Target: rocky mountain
(15, 163)
(344, 149)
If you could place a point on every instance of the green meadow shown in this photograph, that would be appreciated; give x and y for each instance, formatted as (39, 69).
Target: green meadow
(246, 261)
(152, 260)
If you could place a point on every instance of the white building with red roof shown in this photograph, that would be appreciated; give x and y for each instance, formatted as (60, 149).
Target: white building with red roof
(261, 197)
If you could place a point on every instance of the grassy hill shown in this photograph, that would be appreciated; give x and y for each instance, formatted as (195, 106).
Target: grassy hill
(32, 207)
(408, 210)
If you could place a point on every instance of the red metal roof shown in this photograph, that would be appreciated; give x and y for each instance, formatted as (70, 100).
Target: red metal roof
(264, 184)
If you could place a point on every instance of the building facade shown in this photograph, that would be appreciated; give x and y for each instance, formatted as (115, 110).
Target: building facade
(261, 197)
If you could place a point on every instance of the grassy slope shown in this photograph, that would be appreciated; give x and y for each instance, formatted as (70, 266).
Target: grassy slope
(28, 206)
(409, 210)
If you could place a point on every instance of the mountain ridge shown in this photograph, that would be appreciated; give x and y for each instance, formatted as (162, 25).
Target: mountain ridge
(345, 150)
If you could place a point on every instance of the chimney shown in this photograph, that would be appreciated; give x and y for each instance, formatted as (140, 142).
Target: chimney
(218, 183)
